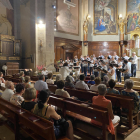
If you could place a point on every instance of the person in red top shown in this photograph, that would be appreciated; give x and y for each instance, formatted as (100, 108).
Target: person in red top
(100, 100)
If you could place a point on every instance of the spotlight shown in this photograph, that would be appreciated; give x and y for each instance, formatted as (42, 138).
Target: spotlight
(53, 6)
(40, 22)
(54, 29)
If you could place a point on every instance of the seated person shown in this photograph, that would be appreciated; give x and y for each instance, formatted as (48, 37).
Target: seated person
(100, 100)
(41, 84)
(60, 90)
(49, 80)
(71, 76)
(105, 80)
(81, 84)
(47, 112)
(9, 91)
(27, 82)
(22, 76)
(95, 86)
(29, 95)
(1, 78)
(58, 77)
(17, 98)
(130, 92)
(92, 82)
(45, 73)
(69, 82)
(111, 89)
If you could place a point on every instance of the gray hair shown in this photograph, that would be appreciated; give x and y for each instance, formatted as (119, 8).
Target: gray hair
(105, 78)
(102, 89)
(68, 79)
(129, 83)
(8, 84)
(58, 77)
(92, 77)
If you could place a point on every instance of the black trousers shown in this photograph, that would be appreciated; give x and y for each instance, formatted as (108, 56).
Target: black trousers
(133, 70)
(126, 76)
(119, 76)
(85, 70)
(91, 70)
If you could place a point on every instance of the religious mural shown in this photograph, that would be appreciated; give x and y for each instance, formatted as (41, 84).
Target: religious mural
(133, 8)
(6, 17)
(105, 17)
(68, 16)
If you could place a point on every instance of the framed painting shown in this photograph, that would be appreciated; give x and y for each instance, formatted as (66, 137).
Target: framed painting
(67, 15)
(6, 17)
(132, 10)
(105, 17)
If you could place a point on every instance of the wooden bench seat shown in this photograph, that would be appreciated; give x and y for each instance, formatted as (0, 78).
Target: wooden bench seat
(23, 120)
(83, 113)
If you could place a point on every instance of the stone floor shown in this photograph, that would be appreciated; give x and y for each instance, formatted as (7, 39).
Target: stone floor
(6, 134)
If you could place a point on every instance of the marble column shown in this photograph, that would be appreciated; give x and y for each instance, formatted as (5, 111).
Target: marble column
(45, 38)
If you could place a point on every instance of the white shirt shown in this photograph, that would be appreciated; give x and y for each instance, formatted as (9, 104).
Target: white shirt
(113, 76)
(81, 85)
(94, 88)
(44, 72)
(120, 64)
(7, 94)
(49, 81)
(110, 56)
(41, 85)
(91, 64)
(135, 60)
(126, 57)
(64, 71)
(127, 67)
(85, 64)
(116, 57)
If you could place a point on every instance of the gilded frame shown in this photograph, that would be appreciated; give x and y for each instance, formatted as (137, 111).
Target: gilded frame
(127, 16)
(57, 21)
(116, 18)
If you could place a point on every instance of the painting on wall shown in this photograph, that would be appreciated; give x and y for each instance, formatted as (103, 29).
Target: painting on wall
(67, 16)
(6, 17)
(133, 8)
(105, 17)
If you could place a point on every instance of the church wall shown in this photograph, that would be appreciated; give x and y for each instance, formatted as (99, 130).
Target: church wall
(27, 32)
(70, 36)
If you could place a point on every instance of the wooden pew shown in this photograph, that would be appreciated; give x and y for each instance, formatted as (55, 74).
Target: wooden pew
(85, 114)
(23, 120)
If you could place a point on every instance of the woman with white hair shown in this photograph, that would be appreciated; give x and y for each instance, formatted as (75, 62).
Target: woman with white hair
(130, 92)
(58, 77)
(9, 91)
(69, 83)
(100, 100)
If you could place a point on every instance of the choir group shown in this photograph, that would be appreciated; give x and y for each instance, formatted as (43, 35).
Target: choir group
(112, 66)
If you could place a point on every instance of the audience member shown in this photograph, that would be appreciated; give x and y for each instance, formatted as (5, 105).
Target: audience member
(58, 77)
(42, 109)
(49, 80)
(22, 76)
(60, 90)
(1, 78)
(100, 100)
(41, 84)
(71, 76)
(105, 80)
(45, 73)
(69, 82)
(9, 91)
(130, 92)
(111, 90)
(27, 82)
(81, 84)
(17, 98)
(29, 95)
(95, 86)
(92, 82)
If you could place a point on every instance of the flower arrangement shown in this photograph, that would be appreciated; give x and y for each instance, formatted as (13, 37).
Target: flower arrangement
(40, 68)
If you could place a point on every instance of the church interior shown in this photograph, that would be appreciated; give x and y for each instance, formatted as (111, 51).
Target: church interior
(69, 69)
